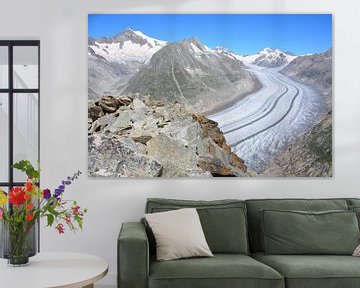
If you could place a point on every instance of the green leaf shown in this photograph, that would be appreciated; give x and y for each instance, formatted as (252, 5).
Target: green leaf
(79, 221)
(26, 167)
(50, 219)
(52, 211)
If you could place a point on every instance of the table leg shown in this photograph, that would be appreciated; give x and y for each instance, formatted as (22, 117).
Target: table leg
(89, 286)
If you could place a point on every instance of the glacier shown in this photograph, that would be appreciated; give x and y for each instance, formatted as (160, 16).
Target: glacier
(264, 123)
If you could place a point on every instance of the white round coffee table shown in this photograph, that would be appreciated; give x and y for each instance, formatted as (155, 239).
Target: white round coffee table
(45, 270)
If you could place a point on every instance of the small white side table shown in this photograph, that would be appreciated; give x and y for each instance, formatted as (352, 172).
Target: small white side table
(50, 270)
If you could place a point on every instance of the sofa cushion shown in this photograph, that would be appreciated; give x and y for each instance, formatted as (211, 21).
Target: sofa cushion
(313, 271)
(254, 216)
(178, 234)
(297, 232)
(223, 221)
(222, 270)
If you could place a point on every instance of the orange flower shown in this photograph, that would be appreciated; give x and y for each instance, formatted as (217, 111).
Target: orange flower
(29, 187)
(27, 196)
(29, 217)
(29, 206)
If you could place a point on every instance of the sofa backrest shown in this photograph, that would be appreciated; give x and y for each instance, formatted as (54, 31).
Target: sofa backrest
(255, 206)
(353, 202)
(354, 205)
(223, 221)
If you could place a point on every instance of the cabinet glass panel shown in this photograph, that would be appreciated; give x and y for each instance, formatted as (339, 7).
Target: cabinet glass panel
(26, 130)
(4, 67)
(26, 73)
(4, 137)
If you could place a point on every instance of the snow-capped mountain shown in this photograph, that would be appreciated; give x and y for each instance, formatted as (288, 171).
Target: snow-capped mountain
(128, 46)
(113, 61)
(269, 57)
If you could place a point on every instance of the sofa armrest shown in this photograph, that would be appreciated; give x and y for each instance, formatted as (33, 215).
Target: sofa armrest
(133, 256)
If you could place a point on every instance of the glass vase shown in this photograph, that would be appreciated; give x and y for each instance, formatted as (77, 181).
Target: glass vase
(18, 242)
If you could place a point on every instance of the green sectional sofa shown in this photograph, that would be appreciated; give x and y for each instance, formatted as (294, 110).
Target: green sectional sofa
(244, 237)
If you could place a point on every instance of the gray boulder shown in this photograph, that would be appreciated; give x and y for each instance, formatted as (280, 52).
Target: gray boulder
(112, 157)
(177, 159)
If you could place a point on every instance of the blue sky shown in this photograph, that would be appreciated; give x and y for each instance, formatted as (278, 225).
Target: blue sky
(242, 33)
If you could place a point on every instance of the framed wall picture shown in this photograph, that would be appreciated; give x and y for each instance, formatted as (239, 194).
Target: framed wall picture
(210, 95)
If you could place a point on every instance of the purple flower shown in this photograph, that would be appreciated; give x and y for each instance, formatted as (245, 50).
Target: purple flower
(57, 193)
(46, 194)
(64, 183)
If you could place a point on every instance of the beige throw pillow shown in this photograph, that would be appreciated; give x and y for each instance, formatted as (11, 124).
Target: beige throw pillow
(178, 234)
(357, 251)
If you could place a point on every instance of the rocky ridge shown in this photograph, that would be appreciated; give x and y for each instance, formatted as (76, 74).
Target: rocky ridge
(136, 136)
(193, 74)
(311, 154)
(315, 70)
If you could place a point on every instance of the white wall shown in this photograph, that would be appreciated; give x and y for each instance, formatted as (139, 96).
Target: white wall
(61, 25)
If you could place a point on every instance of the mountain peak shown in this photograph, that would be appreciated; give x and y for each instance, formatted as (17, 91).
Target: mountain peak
(129, 48)
(269, 57)
(267, 50)
(128, 29)
(128, 32)
(195, 45)
(154, 42)
(221, 49)
(136, 37)
(193, 40)
(130, 35)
